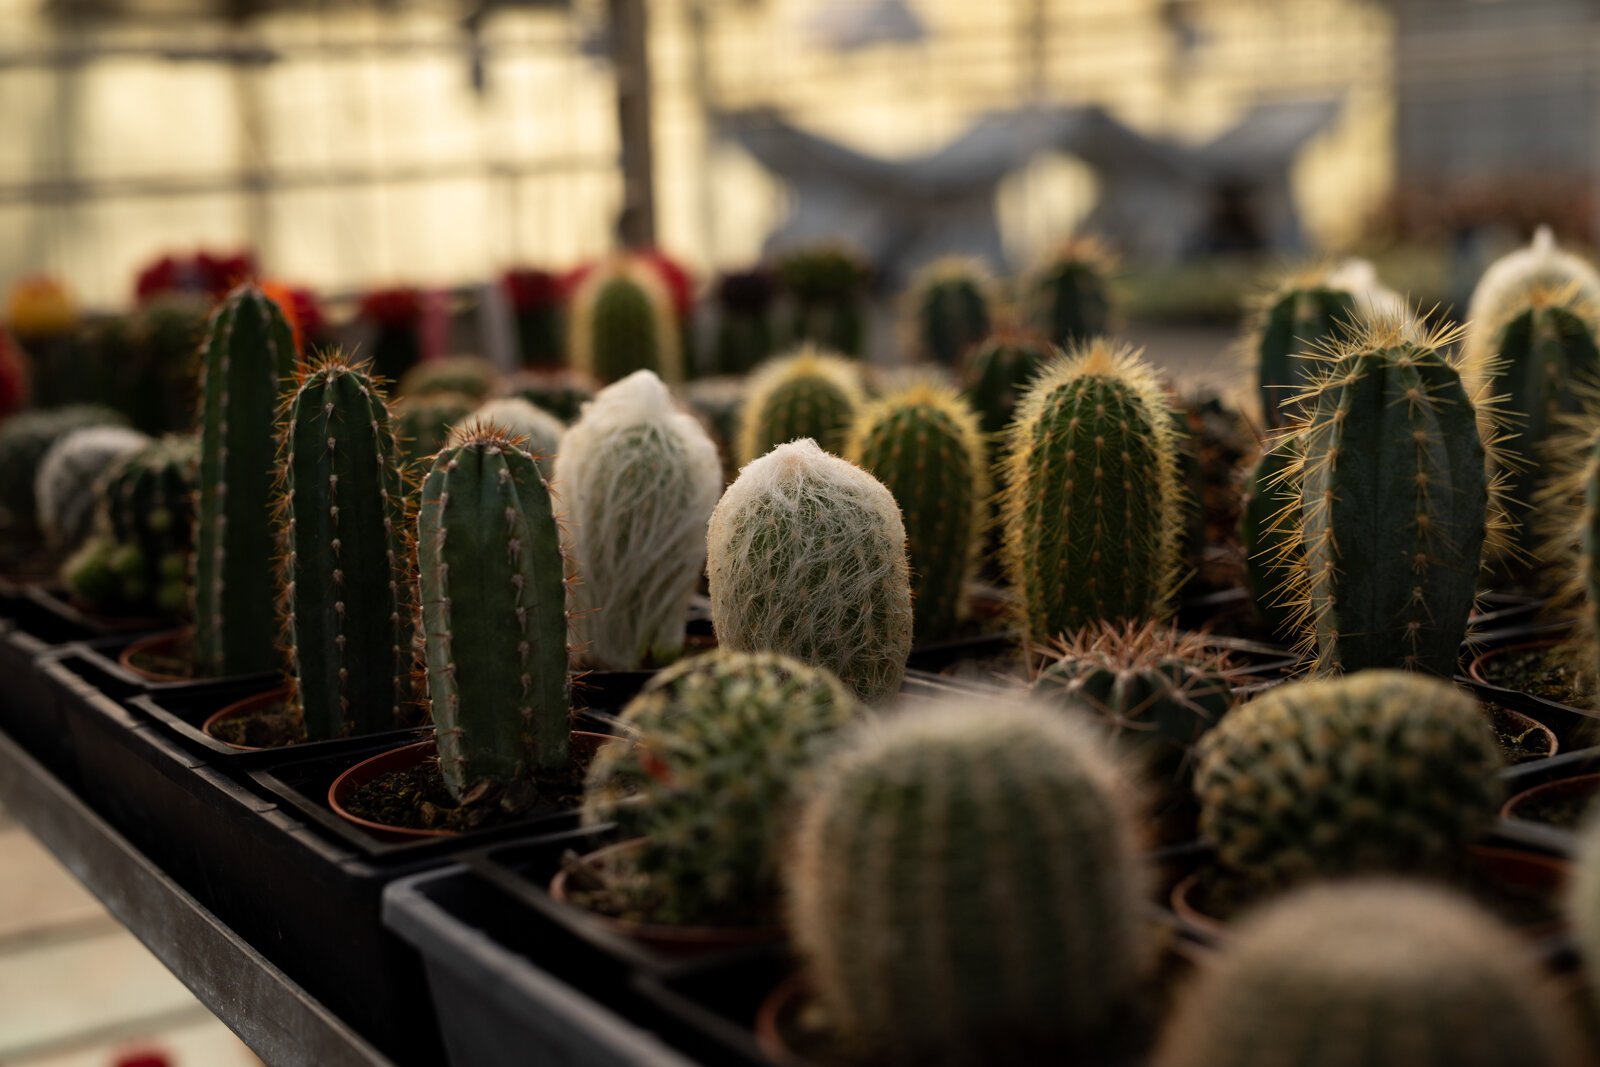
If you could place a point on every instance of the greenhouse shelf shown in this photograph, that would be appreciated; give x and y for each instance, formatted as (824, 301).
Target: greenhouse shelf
(271, 1014)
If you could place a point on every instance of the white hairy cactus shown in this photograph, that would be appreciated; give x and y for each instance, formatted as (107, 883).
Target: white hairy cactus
(518, 418)
(66, 488)
(639, 478)
(807, 557)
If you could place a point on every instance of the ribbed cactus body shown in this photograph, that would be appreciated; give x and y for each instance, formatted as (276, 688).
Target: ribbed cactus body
(68, 486)
(247, 361)
(965, 888)
(948, 310)
(1394, 507)
(540, 430)
(1091, 508)
(1271, 551)
(1067, 297)
(347, 613)
(621, 320)
(826, 287)
(639, 479)
(924, 445)
(493, 598)
(744, 335)
(471, 376)
(1372, 974)
(997, 371)
(423, 423)
(806, 557)
(808, 394)
(148, 505)
(167, 334)
(1383, 770)
(25, 438)
(719, 750)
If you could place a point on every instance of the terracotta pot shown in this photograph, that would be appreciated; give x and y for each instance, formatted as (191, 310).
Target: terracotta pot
(669, 938)
(239, 708)
(780, 1005)
(1581, 785)
(1528, 722)
(165, 643)
(1475, 668)
(404, 758)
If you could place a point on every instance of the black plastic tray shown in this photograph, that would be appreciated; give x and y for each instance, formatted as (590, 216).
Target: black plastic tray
(100, 666)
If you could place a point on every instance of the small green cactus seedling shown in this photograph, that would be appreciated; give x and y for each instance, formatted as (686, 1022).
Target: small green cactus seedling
(924, 445)
(345, 569)
(809, 393)
(965, 888)
(1067, 297)
(541, 430)
(1383, 770)
(71, 475)
(560, 392)
(1372, 973)
(806, 556)
(621, 320)
(1091, 510)
(25, 438)
(1270, 551)
(639, 479)
(948, 309)
(996, 372)
(493, 598)
(744, 301)
(1156, 690)
(719, 749)
(826, 287)
(423, 423)
(471, 376)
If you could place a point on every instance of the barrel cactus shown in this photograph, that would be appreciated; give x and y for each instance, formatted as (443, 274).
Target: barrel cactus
(540, 431)
(809, 393)
(948, 308)
(493, 596)
(744, 302)
(826, 289)
(1372, 973)
(965, 888)
(1091, 510)
(471, 376)
(1383, 770)
(996, 372)
(621, 320)
(25, 438)
(247, 362)
(423, 423)
(639, 479)
(1067, 296)
(806, 556)
(717, 752)
(924, 445)
(68, 486)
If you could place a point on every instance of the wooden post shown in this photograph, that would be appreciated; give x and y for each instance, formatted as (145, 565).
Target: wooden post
(630, 54)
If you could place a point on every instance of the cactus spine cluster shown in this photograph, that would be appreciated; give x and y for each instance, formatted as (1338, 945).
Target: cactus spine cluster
(540, 430)
(1091, 510)
(1067, 297)
(247, 361)
(965, 887)
(493, 599)
(1383, 551)
(68, 486)
(1269, 549)
(719, 748)
(806, 556)
(925, 446)
(1372, 974)
(948, 308)
(826, 286)
(996, 372)
(1383, 770)
(25, 438)
(639, 479)
(810, 393)
(621, 320)
(345, 568)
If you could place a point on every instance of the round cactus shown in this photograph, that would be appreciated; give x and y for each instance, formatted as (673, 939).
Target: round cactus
(809, 393)
(423, 423)
(621, 320)
(744, 301)
(1067, 297)
(948, 308)
(965, 887)
(826, 286)
(719, 748)
(24, 440)
(924, 445)
(540, 430)
(996, 372)
(639, 479)
(1091, 510)
(560, 392)
(1383, 770)
(68, 486)
(806, 556)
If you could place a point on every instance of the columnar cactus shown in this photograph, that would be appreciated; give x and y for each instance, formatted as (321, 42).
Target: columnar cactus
(806, 556)
(965, 888)
(70, 477)
(247, 361)
(471, 376)
(810, 393)
(1067, 297)
(560, 392)
(996, 372)
(345, 567)
(25, 438)
(948, 308)
(718, 751)
(639, 479)
(1091, 510)
(1568, 506)
(493, 599)
(1156, 690)
(1270, 552)
(167, 334)
(826, 286)
(423, 423)
(924, 445)
(744, 302)
(1372, 973)
(1383, 770)
(1395, 505)
(621, 320)
(540, 430)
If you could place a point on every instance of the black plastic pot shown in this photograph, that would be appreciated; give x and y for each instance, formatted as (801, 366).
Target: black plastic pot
(1537, 835)
(100, 666)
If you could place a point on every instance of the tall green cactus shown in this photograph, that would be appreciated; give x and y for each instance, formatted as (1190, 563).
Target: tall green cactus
(1269, 549)
(718, 752)
(997, 371)
(808, 393)
(1372, 973)
(826, 287)
(621, 320)
(639, 479)
(924, 445)
(965, 888)
(1568, 509)
(806, 556)
(1395, 505)
(744, 338)
(493, 592)
(1091, 510)
(246, 362)
(345, 568)
(1383, 770)
(1067, 297)
(948, 309)
(541, 431)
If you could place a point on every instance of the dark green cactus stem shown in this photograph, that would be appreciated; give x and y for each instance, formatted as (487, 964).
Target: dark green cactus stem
(247, 361)
(469, 376)
(998, 371)
(493, 594)
(346, 613)
(925, 447)
(1069, 296)
(1270, 550)
(622, 321)
(744, 321)
(949, 309)
(167, 336)
(811, 393)
(423, 423)
(1297, 321)
(149, 505)
(826, 287)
